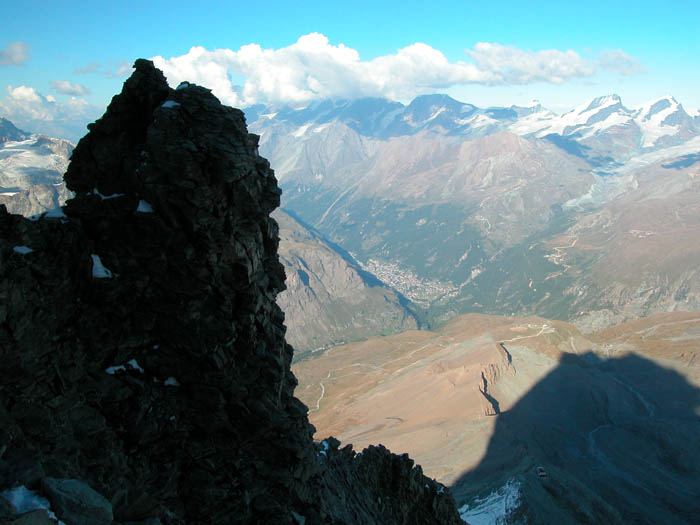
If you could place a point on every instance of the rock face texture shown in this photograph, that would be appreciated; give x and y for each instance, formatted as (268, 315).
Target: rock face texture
(141, 349)
(36, 199)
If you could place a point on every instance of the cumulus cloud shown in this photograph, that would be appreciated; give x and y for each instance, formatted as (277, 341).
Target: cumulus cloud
(313, 68)
(511, 65)
(617, 61)
(65, 87)
(15, 54)
(30, 110)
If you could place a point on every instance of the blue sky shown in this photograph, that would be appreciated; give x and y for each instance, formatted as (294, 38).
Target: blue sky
(486, 53)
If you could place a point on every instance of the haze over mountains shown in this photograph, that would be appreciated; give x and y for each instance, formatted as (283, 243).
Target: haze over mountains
(465, 209)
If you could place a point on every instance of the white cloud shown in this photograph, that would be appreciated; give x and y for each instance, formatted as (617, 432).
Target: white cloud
(511, 65)
(617, 61)
(15, 54)
(30, 110)
(23, 94)
(313, 68)
(65, 87)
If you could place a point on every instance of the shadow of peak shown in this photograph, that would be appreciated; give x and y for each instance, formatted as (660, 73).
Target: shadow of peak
(618, 438)
(585, 359)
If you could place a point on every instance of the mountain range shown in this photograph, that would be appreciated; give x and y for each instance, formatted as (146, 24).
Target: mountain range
(466, 209)
(439, 208)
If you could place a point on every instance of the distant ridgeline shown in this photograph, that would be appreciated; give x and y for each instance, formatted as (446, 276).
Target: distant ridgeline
(142, 355)
(510, 210)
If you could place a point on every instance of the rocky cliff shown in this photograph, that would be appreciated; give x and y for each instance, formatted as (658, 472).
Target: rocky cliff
(141, 348)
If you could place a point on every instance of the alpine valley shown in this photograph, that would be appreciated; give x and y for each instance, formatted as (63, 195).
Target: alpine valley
(501, 210)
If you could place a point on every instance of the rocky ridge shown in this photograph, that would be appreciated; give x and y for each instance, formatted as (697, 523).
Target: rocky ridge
(142, 350)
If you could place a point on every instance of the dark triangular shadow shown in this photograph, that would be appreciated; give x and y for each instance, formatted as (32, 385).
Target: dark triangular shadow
(597, 441)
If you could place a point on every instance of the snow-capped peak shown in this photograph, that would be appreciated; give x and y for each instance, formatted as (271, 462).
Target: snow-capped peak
(602, 102)
(653, 107)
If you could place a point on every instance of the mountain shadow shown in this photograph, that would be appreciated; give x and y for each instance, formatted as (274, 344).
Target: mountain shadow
(597, 441)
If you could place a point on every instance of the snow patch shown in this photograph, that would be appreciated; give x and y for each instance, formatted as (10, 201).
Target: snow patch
(183, 85)
(436, 114)
(24, 250)
(144, 207)
(495, 508)
(55, 213)
(171, 381)
(98, 269)
(170, 104)
(131, 363)
(24, 500)
(301, 130)
(106, 197)
(325, 446)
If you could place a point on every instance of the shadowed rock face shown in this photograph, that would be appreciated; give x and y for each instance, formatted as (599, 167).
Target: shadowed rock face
(165, 267)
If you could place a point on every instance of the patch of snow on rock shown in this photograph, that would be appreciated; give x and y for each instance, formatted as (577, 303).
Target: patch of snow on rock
(56, 213)
(170, 104)
(24, 500)
(301, 131)
(171, 381)
(325, 446)
(95, 191)
(24, 250)
(495, 508)
(144, 207)
(98, 269)
(130, 364)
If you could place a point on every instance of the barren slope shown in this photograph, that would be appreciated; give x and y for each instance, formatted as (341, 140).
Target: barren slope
(484, 400)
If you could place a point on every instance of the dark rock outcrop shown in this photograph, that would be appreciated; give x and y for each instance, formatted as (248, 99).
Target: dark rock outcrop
(141, 349)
